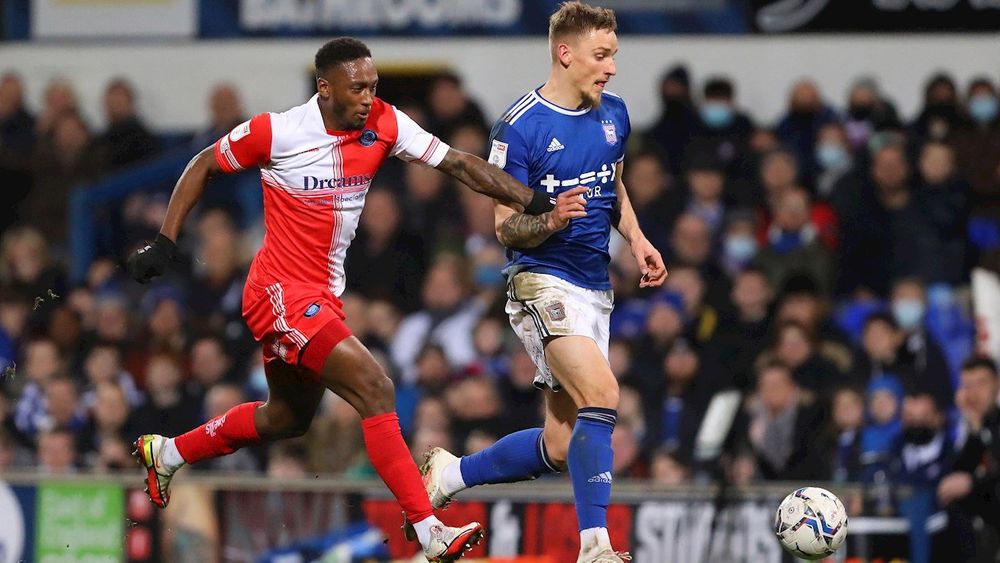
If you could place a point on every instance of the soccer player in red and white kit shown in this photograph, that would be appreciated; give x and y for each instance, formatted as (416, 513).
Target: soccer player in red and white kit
(316, 163)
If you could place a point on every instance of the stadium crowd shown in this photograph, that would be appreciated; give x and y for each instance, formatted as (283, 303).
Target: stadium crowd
(820, 265)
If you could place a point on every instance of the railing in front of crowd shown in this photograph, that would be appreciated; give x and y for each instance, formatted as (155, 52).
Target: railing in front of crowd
(253, 518)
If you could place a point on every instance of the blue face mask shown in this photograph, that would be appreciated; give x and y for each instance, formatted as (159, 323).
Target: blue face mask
(983, 108)
(740, 248)
(717, 114)
(909, 313)
(833, 156)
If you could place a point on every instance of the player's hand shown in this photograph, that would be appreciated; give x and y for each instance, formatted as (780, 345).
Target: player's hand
(152, 260)
(954, 486)
(654, 273)
(569, 205)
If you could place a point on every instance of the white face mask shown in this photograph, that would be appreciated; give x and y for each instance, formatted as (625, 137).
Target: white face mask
(909, 313)
(740, 248)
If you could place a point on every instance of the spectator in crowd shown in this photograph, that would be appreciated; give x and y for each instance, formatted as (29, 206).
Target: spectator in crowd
(920, 351)
(798, 129)
(60, 99)
(335, 441)
(797, 348)
(215, 291)
(868, 111)
(706, 183)
(42, 363)
(13, 456)
(385, 262)
(940, 117)
(17, 141)
(739, 242)
(450, 106)
(169, 409)
(676, 403)
(793, 244)
(522, 400)
(653, 196)
(627, 461)
(678, 121)
(103, 364)
(471, 138)
(924, 454)
(723, 130)
(126, 139)
(744, 334)
(225, 112)
(57, 454)
(108, 431)
(944, 198)
(691, 247)
(432, 206)
(800, 300)
(210, 365)
(880, 435)
(15, 308)
(26, 265)
(61, 160)
(701, 318)
(781, 429)
(972, 489)
(669, 468)
(977, 142)
(475, 405)
(886, 235)
(218, 399)
(447, 320)
(847, 418)
(837, 179)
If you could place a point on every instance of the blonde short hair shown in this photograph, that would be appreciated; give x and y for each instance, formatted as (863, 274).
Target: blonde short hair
(576, 18)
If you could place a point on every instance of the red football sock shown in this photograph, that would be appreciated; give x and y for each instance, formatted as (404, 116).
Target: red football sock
(220, 436)
(392, 461)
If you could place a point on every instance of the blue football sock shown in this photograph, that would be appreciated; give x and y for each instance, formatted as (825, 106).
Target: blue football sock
(515, 457)
(589, 459)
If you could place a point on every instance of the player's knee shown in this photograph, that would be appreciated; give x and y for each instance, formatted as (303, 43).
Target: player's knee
(280, 421)
(601, 396)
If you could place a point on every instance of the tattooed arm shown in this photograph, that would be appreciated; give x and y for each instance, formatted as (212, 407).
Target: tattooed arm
(518, 230)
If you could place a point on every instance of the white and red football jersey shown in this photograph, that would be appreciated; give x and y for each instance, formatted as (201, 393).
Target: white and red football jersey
(315, 181)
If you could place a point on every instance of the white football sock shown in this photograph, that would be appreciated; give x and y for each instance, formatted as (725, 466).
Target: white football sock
(423, 529)
(451, 478)
(594, 536)
(170, 457)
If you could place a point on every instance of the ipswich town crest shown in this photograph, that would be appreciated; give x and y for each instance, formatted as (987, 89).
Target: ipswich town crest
(609, 132)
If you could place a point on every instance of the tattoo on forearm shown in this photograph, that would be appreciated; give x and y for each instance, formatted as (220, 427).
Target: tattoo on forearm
(525, 231)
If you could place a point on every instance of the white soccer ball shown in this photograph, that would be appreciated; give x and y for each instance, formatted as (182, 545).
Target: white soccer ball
(811, 523)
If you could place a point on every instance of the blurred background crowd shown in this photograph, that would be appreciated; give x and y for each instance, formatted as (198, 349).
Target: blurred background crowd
(818, 264)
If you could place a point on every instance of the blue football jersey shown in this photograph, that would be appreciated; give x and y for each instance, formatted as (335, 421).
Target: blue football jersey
(553, 149)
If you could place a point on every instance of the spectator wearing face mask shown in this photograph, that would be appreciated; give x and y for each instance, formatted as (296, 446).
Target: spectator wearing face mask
(798, 129)
(976, 144)
(723, 129)
(920, 351)
(739, 242)
(838, 178)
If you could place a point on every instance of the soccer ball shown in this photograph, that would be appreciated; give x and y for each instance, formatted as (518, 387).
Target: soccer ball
(811, 523)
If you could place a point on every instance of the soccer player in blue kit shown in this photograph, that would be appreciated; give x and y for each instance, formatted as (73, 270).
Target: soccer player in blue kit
(567, 138)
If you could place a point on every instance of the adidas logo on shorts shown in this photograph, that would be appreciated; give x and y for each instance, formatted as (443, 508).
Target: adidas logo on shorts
(602, 478)
(555, 145)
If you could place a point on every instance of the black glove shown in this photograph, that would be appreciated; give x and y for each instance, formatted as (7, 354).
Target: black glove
(152, 260)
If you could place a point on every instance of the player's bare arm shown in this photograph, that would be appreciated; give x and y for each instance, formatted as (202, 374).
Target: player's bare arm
(520, 230)
(492, 181)
(647, 257)
(188, 190)
(153, 259)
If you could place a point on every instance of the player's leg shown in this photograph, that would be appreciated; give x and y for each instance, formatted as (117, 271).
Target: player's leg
(351, 372)
(583, 371)
(293, 396)
(520, 456)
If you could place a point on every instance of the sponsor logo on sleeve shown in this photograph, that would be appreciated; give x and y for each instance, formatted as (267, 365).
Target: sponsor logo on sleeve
(240, 131)
(498, 154)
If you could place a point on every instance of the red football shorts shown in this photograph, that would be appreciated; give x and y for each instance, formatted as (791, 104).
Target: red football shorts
(298, 324)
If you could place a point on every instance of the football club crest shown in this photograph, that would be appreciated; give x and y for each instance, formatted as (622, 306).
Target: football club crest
(556, 311)
(498, 154)
(610, 135)
(312, 310)
(368, 138)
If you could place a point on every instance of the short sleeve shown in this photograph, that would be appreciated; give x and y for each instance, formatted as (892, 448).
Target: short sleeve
(247, 145)
(413, 143)
(508, 151)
